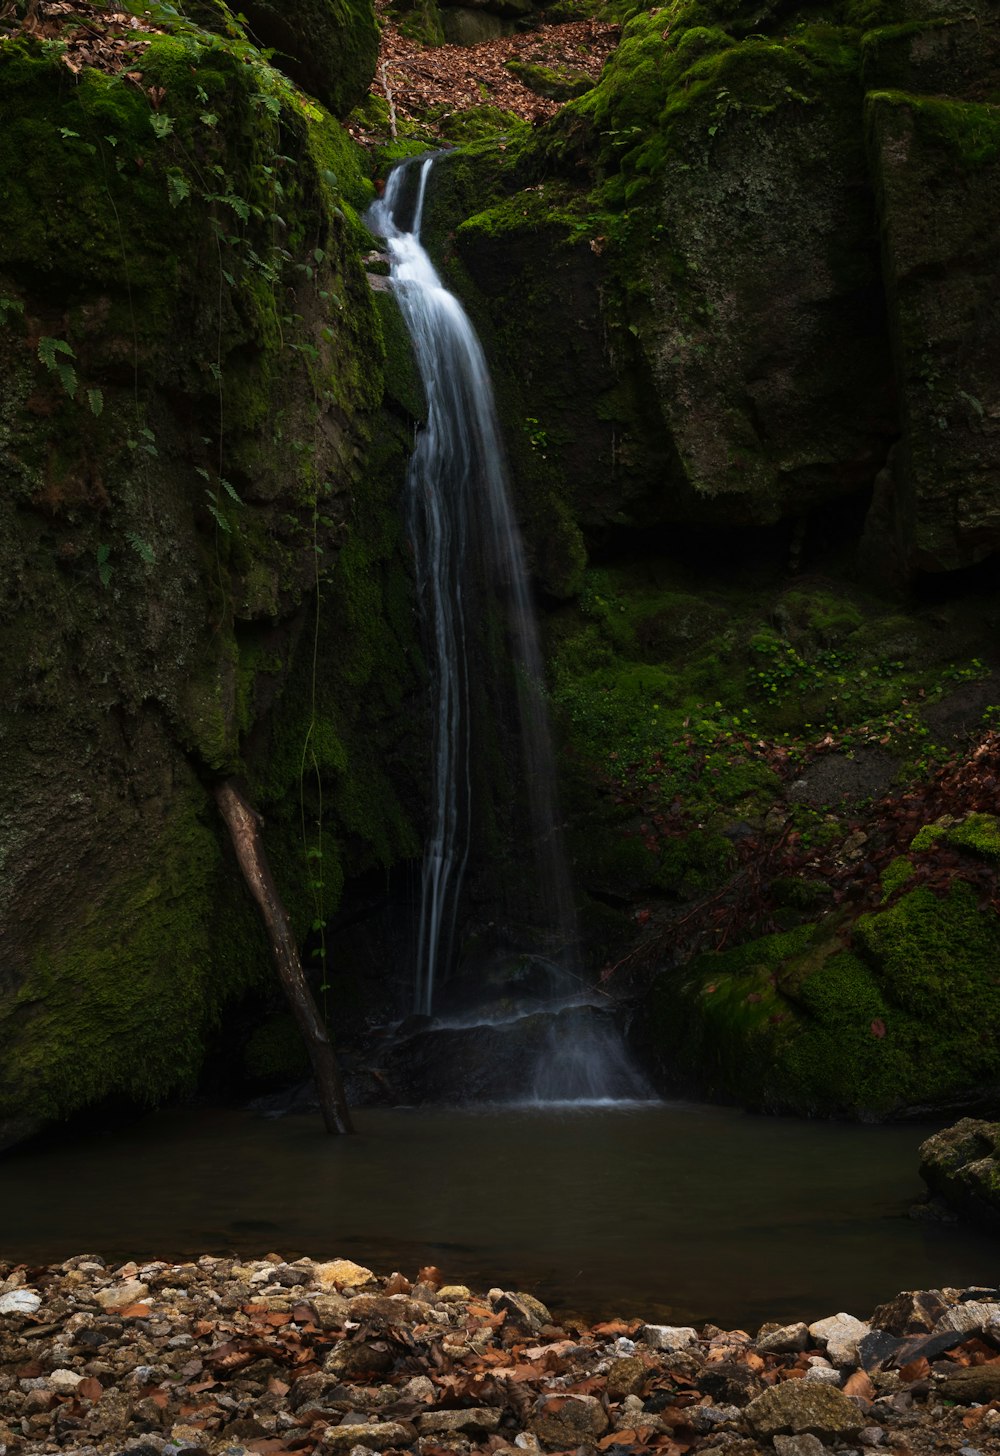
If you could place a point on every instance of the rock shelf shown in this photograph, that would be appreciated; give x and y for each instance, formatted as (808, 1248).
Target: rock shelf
(219, 1357)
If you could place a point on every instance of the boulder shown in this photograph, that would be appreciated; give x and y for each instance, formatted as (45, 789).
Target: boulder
(962, 1166)
(328, 47)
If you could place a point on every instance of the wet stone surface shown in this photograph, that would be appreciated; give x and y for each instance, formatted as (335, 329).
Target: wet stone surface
(219, 1357)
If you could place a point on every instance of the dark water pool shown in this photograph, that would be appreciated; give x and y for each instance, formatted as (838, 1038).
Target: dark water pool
(674, 1212)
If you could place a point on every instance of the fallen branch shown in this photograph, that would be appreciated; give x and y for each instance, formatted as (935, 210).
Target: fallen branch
(392, 104)
(244, 829)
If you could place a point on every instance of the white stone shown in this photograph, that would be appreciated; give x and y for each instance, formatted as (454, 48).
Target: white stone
(972, 1317)
(117, 1296)
(839, 1334)
(20, 1301)
(65, 1379)
(823, 1374)
(669, 1338)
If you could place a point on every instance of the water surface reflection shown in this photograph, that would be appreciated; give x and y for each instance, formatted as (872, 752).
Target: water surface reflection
(674, 1212)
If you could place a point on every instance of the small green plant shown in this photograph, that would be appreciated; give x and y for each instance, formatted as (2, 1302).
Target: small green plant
(538, 437)
(56, 355)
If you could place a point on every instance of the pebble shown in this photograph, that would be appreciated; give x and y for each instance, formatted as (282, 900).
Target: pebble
(20, 1301)
(669, 1338)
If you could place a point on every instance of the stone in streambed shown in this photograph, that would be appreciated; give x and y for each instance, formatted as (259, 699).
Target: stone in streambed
(977, 1384)
(839, 1336)
(971, 1318)
(803, 1407)
(669, 1338)
(342, 1274)
(914, 1312)
(388, 1435)
(119, 1296)
(626, 1377)
(20, 1301)
(567, 1421)
(783, 1339)
(478, 1420)
(798, 1446)
(523, 1311)
(351, 1362)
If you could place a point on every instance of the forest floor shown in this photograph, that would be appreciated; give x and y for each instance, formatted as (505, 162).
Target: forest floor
(223, 1358)
(432, 85)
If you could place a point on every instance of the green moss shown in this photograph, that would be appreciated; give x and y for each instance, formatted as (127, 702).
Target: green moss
(123, 1004)
(895, 876)
(795, 1022)
(979, 833)
(968, 130)
(936, 954)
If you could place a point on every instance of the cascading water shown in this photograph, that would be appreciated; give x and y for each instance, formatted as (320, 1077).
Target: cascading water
(465, 537)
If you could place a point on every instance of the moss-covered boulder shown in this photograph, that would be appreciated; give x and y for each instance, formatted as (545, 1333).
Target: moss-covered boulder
(961, 1166)
(903, 1018)
(193, 372)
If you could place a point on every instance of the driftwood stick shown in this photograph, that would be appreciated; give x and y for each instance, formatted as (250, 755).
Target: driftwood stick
(388, 97)
(244, 829)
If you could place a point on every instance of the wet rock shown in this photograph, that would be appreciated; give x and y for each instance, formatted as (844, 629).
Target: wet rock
(565, 1421)
(783, 1339)
(669, 1338)
(803, 1407)
(478, 1420)
(839, 1336)
(913, 1312)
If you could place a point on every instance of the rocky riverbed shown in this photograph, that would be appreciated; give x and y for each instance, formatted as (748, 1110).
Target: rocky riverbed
(222, 1358)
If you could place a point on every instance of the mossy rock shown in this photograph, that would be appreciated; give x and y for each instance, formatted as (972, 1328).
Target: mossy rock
(328, 47)
(907, 1020)
(961, 1166)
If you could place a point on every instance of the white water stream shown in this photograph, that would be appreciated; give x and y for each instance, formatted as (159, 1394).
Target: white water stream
(468, 556)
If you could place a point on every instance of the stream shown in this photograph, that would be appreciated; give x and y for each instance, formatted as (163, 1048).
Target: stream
(675, 1212)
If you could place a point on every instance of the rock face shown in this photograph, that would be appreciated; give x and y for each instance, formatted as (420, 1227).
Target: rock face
(187, 403)
(328, 47)
(962, 1166)
(758, 353)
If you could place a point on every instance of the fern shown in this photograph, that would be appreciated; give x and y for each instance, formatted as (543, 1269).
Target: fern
(142, 548)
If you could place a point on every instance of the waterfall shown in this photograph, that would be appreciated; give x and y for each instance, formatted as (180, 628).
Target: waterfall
(466, 542)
